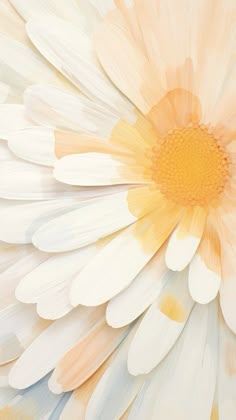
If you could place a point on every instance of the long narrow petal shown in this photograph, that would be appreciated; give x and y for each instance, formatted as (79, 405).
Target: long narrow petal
(142, 292)
(50, 346)
(185, 239)
(161, 326)
(82, 361)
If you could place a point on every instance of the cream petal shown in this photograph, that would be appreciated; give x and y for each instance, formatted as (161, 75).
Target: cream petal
(49, 106)
(94, 169)
(36, 401)
(50, 346)
(203, 283)
(226, 406)
(20, 67)
(143, 291)
(24, 181)
(76, 60)
(161, 326)
(40, 8)
(104, 402)
(111, 270)
(34, 144)
(183, 385)
(185, 240)
(73, 230)
(19, 222)
(83, 360)
(20, 325)
(13, 117)
(48, 283)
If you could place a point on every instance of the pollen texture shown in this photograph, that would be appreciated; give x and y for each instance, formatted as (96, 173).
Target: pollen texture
(190, 166)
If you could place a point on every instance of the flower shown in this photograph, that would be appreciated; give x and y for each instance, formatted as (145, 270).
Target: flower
(117, 209)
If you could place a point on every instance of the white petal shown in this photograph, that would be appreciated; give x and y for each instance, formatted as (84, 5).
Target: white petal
(4, 371)
(10, 254)
(13, 117)
(10, 278)
(48, 283)
(203, 283)
(19, 222)
(227, 377)
(183, 385)
(72, 54)
(19, 325)
(83, 360)
(35, 144)
(50, 346)
(59, 108)
(6, 395)
(11, 23)
(116, 389)
(227, 301)
(110, 271)
(131, 302)
(161, 326)
(185, 240)
(84, 226)
(5, 153)
(87, 169)
(103, 6)
(41, 8)
(180, 252)
(36, 401)
(23, 181)
(20, 67)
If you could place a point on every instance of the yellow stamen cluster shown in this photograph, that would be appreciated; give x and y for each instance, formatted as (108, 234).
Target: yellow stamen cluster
(190, 166)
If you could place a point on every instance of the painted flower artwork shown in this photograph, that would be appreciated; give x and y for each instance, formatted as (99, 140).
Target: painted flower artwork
(117, 210)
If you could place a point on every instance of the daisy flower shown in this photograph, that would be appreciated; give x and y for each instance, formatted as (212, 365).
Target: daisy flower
(117, 217)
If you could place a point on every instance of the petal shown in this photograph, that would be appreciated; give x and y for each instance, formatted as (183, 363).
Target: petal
(36, 401)
(11, 23)
(80, 363)
(204, 283)
(117, 264)
(76, 60)
(10, 277)
(183, 385)
(205, 268)
(19, 222)
(185, 239)
(20, 67)
(139, 80)
(50, 346)
(19, 326)
(5, 153)
(142, 292)
(48, 283)
(103, 6)
(77, 404)
(40, 8)
(88, 169)
(23, 181)
(227, 373)
(104, 402)
(35, 144)
(228, 285)
(161, 326)
(13, 117)
(73, 230)
(49, 106)
(9, 255)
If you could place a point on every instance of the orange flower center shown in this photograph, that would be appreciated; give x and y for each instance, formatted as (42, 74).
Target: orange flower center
(190, 166)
